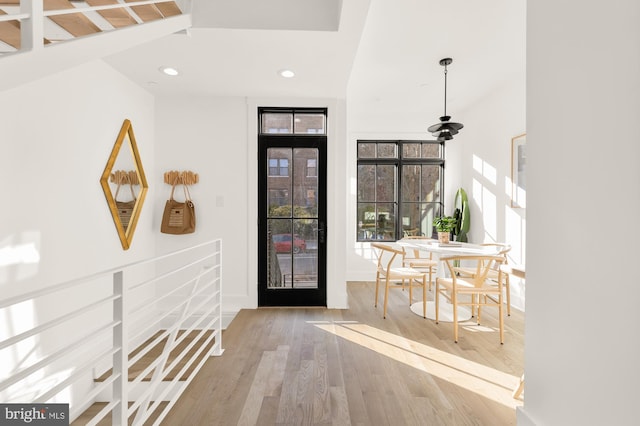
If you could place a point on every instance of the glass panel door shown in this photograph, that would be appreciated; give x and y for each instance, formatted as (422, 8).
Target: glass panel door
(292, 222)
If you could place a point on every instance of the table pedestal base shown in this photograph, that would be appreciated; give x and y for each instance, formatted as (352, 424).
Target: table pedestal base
(446, 311)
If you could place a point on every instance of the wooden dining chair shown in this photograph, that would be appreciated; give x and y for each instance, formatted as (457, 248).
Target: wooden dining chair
(475, 290)
(416, 260)
(387, 255)
(501, 250)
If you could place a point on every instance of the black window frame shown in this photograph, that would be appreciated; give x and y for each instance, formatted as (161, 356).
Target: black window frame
(293, 112)
(266, 140)
(398, 162)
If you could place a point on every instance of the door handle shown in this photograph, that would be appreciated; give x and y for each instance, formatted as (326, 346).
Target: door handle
(321, 232)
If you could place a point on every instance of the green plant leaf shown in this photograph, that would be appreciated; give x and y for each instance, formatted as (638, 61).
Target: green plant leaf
(462, 204)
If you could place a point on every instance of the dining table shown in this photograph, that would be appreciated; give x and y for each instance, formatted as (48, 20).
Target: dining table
(440, 250)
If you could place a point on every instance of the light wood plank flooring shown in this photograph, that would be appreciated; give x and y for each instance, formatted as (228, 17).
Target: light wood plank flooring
(311, 366)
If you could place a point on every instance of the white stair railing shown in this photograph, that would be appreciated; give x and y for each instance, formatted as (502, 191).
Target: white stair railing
(34, 26)
(173, 301)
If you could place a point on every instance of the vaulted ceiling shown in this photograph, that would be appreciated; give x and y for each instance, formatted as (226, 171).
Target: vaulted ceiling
(382, 55)
(384, 52)
(237, 48)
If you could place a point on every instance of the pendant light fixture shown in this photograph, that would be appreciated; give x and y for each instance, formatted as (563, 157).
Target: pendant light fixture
(445, 129)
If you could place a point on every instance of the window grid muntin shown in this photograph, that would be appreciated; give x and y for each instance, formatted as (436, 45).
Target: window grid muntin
(398, 162)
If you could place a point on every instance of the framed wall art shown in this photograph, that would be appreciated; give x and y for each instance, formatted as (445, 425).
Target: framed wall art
(519, 171)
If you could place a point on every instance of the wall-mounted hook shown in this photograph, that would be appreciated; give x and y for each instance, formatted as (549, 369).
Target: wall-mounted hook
(186, 177)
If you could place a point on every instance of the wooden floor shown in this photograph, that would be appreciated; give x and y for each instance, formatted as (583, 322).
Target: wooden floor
(136, 369)
(352, 367)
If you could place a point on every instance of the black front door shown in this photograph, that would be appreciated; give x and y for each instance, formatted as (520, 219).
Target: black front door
(292, 220)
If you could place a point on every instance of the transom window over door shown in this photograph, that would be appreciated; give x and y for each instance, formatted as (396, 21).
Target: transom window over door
(292, 166)
(399, 188)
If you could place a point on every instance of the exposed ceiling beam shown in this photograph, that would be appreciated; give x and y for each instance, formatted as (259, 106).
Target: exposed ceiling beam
(169, 9)
(147, 12)
(117, 17)
(10, 32)
(76, 24)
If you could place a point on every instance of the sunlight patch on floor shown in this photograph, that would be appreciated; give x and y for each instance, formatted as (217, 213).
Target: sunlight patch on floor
(485, 381)
(475, 328)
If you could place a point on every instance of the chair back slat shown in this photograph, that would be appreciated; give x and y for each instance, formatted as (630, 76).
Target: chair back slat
(471, 288)
(386, 254)
(502, 250)
(400, 274)
(484, 265)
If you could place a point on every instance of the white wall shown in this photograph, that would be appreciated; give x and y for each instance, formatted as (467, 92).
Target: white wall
(57, 134)
(583, 102)
(478, 159)
(208, 136)
(485, 168)
(217, 138)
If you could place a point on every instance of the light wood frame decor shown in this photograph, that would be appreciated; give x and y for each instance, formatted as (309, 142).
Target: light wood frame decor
(124, 168)
(518, 171)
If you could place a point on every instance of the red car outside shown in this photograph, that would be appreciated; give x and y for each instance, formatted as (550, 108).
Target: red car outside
(282, 242)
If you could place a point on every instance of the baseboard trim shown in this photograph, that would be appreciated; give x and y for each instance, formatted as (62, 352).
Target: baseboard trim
(227, 317)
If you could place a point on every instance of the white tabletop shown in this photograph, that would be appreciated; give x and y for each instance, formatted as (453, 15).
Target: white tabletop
(453, 248)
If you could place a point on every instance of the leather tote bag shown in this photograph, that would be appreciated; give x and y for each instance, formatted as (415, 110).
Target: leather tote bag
(125, 208)
(179, 217)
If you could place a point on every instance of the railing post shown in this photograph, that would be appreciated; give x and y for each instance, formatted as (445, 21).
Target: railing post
(120, 358)
(32, 28)
(218, 350)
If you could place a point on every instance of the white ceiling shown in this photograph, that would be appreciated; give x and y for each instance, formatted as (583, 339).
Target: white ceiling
(245, 62)
(384, 54)
(305, 15)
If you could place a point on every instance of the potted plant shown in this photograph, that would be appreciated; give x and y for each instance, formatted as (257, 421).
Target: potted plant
(444, 225)
(462, 216)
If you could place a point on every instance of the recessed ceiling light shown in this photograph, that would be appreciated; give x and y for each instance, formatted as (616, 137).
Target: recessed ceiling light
(286, 73)
(169, 71)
